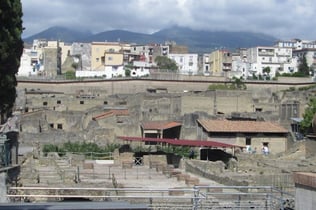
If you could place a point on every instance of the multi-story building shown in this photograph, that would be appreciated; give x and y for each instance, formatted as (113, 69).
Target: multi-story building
(206, 64)
(29, 63)
(148, 53)
(296, 44)
(239, 64)
(309, 54)
(276, 58)
(187, 63)
(106, 54)
(107, 59)
(220, 62)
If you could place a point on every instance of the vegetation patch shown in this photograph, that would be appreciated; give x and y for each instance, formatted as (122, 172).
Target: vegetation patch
(90, 150)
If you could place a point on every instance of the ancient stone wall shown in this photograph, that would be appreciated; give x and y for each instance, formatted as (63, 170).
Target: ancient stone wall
(73, 111)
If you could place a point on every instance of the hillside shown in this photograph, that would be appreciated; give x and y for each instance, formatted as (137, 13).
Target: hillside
(197, 41)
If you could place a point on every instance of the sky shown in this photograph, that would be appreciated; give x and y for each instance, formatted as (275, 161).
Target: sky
(283, 19)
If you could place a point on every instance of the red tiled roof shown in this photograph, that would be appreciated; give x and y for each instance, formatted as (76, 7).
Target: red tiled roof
(181, 142)
(241, 126)
(159, 125)
(116, 112)
(305, 178)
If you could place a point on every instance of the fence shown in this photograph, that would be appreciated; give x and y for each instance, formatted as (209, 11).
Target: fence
(197, 197)
(283, 182)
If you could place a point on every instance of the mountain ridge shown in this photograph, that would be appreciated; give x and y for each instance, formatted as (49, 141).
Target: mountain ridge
(198, 41)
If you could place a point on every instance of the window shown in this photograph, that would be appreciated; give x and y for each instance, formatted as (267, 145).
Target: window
(59, 102)
(59, 126)
(81, 102)
(45, 103)
(248, 141)
(110, 58)
(97, 59)
(51, 125)
(105, 102)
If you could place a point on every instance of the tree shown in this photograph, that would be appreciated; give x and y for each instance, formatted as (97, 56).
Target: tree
(266, 70)
(303, 67)
(11, 48)
(266, 73)
(164, 63)
(308, 116)
(238, 84)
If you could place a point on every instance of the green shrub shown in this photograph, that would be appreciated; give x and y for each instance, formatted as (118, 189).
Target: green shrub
(91, 150)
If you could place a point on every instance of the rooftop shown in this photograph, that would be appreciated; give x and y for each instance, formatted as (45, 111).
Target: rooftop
(229, 126)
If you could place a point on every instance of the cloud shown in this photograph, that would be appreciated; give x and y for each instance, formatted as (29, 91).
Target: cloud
(283, 19)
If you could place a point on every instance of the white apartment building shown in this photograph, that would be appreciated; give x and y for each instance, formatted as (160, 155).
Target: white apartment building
(240, 65)
(309, 54)
(32, 60)
(206, 65)
(187, 63)
(29, 63)
(296, 44)
(277, 58)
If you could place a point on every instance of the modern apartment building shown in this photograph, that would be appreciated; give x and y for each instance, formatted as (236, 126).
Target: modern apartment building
(106, 54)
(276, 58)
(206, 64)
(187, 63)
(309, 54)
(296, 44)
(29, 63)
(220, 62)
(239, 64)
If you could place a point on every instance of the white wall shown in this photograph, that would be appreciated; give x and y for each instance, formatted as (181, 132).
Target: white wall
(140, 69)
(187, 63)
(108, 72)
(26, 68)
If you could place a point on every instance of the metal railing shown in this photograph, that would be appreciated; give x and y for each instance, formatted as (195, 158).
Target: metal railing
(197, 197)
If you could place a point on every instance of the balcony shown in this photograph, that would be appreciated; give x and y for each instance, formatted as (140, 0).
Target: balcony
(266, 52)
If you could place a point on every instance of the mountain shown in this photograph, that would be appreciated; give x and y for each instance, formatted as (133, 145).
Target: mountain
(59, 33)
(197, 40)
(124, 36)
(210, 40)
